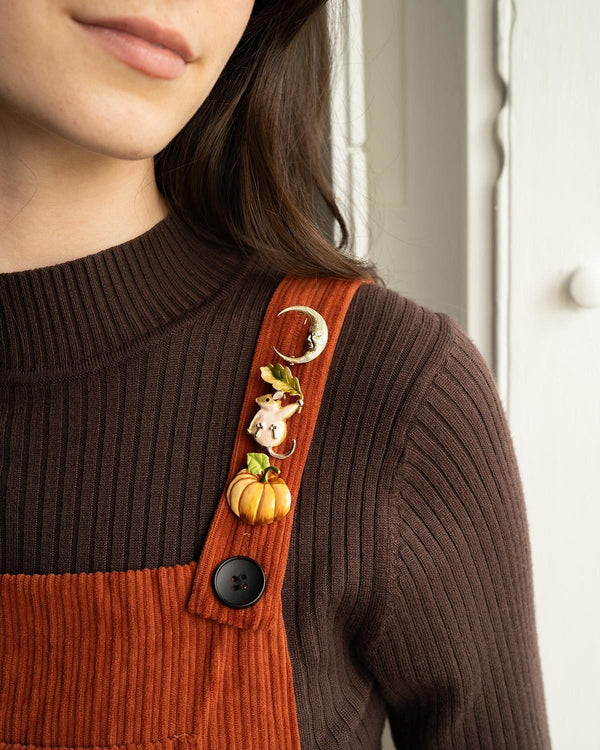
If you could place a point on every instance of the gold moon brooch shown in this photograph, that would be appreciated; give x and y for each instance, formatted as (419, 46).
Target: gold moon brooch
(317, 335)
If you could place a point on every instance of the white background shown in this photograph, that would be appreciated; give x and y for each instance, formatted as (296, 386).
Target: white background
(466, 140)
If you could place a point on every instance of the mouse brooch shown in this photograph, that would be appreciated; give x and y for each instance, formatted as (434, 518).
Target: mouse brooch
(257, 494)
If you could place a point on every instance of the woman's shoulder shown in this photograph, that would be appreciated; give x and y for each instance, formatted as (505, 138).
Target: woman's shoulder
(392, 332)
(396, 352)
(384, 323)
(395, 312)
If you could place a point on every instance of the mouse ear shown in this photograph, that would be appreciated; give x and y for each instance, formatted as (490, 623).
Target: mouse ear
(278, 395)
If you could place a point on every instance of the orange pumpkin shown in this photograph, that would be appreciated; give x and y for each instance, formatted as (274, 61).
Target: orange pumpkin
(259, 498)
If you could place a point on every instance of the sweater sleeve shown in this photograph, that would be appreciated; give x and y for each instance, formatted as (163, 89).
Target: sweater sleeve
(456, 654)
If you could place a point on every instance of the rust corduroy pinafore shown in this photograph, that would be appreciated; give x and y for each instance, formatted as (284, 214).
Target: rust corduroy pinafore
(152, 659)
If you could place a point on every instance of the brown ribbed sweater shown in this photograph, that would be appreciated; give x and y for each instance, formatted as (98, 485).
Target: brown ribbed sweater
(408, 588)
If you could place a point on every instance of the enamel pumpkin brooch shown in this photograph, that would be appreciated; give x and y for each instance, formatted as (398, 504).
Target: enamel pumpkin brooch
(256, 497)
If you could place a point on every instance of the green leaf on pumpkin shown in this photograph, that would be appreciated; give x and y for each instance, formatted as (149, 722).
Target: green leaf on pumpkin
(257, 462)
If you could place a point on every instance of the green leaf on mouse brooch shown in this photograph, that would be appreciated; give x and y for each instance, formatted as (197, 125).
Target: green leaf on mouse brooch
(283, 381)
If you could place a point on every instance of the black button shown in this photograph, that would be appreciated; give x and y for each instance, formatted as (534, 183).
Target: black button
(239, 581)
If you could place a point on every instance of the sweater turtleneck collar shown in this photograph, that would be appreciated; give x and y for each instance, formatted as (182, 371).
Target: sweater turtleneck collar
(77, 315)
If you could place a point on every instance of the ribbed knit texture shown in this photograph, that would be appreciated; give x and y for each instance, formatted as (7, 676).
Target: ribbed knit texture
(114, 659)
(408, 584)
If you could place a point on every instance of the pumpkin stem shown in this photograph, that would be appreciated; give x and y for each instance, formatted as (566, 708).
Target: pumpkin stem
(266, 471)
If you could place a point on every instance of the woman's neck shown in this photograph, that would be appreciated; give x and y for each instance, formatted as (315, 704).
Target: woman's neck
(60, 201)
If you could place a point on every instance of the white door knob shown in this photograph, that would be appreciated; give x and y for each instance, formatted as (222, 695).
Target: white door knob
(584, 285)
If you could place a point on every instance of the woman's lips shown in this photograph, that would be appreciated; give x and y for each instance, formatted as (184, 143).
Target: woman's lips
(138, 53)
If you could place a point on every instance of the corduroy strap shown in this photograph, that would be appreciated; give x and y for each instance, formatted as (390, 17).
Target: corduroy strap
(228, 535)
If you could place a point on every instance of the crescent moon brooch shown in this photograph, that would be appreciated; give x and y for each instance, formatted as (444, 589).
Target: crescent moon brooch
(317, 335)
(252, 495)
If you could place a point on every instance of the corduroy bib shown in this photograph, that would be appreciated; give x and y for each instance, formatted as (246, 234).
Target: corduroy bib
(152, 659)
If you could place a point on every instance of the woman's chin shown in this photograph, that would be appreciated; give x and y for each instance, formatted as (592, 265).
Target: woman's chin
(113, 131)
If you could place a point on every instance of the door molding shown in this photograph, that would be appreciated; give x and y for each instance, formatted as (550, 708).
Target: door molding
(504, 21)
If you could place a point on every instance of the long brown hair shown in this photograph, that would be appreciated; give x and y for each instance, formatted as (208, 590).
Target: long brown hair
(251, 169)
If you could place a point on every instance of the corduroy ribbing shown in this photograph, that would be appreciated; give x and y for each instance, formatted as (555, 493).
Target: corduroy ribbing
(269, 544)
(116, 660)
(118, 463)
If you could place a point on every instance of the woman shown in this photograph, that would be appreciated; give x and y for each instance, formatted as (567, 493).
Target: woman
(162, 181)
